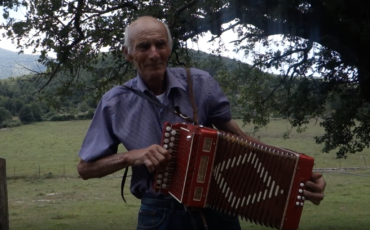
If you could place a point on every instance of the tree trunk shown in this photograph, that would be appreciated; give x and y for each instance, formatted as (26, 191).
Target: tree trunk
(4, 216)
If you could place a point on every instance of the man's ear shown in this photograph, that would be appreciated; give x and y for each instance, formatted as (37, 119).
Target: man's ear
(128, 56)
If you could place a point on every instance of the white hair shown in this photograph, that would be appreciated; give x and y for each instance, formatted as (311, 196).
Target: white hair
(128, 40)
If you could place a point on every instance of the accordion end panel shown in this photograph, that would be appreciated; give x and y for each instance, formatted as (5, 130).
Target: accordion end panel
(296, 199)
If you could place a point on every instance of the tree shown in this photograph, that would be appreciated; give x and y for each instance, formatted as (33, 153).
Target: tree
(327, 37)
(36, 111)
(26, 115)
(83, 107)
(5, 115)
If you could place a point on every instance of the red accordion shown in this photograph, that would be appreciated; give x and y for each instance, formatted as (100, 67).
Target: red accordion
(214, 169)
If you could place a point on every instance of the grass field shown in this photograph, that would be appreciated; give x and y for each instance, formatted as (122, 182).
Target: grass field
(44, 191)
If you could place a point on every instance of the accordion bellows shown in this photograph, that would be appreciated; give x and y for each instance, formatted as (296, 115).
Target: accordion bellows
(210, 168)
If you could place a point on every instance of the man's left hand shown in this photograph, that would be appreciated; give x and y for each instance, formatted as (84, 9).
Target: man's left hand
(314, 191)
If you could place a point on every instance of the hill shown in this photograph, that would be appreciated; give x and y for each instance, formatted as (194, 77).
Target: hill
(13, 64)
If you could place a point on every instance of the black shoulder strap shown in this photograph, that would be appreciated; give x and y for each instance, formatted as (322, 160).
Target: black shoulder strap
(123, 183)
(177, 111)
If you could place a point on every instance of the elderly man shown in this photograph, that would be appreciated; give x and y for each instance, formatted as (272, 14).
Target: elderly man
(124, 117)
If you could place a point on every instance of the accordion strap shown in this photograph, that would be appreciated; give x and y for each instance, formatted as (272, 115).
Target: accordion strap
(191, 94)
(123, 183)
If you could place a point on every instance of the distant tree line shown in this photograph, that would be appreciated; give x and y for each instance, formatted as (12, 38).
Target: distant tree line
(21, 104)
(248, 90)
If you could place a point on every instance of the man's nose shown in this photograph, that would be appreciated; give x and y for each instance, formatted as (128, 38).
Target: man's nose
(154, 52)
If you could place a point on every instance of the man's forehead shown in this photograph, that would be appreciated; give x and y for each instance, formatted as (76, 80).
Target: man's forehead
(145, 22)
(147, 27)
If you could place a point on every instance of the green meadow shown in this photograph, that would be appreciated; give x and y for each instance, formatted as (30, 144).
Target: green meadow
(45, 192)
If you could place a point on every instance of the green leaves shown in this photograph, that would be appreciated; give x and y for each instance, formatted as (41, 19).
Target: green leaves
(21, 28)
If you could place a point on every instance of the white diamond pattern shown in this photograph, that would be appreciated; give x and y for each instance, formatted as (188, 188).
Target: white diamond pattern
(259, 169)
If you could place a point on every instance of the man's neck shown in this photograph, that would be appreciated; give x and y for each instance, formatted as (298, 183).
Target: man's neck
(159, 88)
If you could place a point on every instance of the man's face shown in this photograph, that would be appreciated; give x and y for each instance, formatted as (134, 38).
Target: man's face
(150, 50)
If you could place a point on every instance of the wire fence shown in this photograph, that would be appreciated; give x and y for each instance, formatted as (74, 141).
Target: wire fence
(63, 170)
(46, 172)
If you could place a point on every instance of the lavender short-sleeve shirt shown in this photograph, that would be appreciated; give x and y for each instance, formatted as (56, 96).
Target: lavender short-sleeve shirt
(123, 117)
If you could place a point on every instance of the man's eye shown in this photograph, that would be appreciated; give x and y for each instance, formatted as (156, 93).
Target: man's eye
(143, 47)
(161, 44)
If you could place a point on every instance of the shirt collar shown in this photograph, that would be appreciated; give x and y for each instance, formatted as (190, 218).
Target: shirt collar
(172, 82)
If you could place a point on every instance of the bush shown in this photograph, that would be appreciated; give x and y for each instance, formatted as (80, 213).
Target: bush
(11, 124)
(5, 115)
(90, 114)
(50, 114)
(36, 111)
(26, 115)
(66, 117)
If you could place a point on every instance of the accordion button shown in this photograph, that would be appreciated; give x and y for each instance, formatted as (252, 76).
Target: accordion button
(164, 185)
(173, 132)
(168, 128)
(301, 184)
(301, 203)
(298, 197)
(297, 203)
(167, 134)
(166, 140)
(165, 146)
(303, 198)
(300, 191)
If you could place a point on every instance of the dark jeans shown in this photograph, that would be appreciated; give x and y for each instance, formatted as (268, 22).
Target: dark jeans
(170, 215)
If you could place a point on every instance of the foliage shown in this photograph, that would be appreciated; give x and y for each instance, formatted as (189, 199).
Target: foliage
(328, 38)
(15, 93)
(5, 115)
(36, 111)
(67, 117)
(26, 115)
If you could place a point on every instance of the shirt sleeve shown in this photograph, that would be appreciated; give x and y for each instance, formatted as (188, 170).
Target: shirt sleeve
(100, 140)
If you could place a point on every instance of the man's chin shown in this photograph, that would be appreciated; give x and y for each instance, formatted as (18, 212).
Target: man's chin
(156, 70)
(154, 73)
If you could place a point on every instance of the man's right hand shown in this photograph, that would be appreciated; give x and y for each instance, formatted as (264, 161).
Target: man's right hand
(154, 157)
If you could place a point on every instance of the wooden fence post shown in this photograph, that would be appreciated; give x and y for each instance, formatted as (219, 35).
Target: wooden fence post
(4, 215)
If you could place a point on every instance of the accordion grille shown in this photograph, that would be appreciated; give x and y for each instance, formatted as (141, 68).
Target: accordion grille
(251, 181)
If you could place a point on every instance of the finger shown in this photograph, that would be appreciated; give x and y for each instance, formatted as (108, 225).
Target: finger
(315, 198)
(149, 165)
(163, 156)
(315, 176)
(313, 187)
(160, 159)
(317, 185)
(164, 152)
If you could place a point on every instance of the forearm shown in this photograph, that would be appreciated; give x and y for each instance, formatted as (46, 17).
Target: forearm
(103, 166)
(153, 157)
